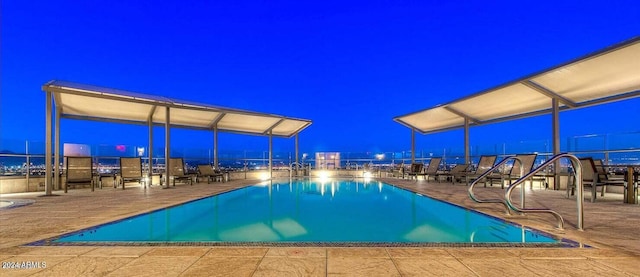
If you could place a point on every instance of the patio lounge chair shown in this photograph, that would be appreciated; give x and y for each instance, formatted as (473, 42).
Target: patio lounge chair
(589, 178)
(416, 170)
(131, 171)
(79, 170)
(399, 171)
(432, 168)
(514, 172)
(176, 170)
(205, 170)
(367, 169)
(485, 164)
(606, 180)
(455, 173)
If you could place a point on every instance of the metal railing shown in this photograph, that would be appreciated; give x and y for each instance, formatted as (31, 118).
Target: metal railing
(489, 172)
(509, 206)
(520, 182)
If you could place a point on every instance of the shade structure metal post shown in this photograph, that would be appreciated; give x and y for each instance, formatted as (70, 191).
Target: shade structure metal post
(47, 143)
(26, 152)
(150, 153)
(270, 154)
(297, 153)
(555, 140)
(215, 147)
(413, 145)
(167, 146)
(467, 159)
(56, 153)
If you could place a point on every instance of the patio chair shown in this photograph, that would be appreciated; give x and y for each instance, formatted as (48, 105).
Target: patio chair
(79, 170)
(205, 170)
(455, 173)
(432, 168)
(484, 165)
(606, 180)
(416, 170)
(398, 171)
(589, 178)
(176, 170)
(514, 173)
(131, 171)
(367, 168)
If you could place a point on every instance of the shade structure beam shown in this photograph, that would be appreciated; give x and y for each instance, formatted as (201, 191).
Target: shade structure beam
(463, 115)
(548, 92)
(269, 130)
(151, 112)
(216, 120)
(108, 96)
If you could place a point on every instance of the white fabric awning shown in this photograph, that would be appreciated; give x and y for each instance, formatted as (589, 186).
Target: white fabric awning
(609, 75)
(104, 104)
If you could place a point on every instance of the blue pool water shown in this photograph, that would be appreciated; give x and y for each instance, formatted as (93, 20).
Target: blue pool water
(313, 211)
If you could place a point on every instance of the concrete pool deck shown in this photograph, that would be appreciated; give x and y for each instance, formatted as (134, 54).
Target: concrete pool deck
(612, 229)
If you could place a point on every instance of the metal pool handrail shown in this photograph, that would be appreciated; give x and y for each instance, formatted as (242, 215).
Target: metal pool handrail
(484, 175)
(580, 201)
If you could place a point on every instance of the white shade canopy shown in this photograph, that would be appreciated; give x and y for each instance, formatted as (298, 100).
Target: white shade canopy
(104, 104)
(609, 75)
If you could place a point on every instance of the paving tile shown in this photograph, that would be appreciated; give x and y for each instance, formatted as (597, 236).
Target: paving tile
(481, 253)
(58, 250)
(118, 251)
(15, 250)
(86, 266)
(544, 253)
(292, 266)
(155, 266)
(570, 268)
(223, 266)
(237, 252)
(297, 252)
(369, 252)
(418, 252)
(431, 266)
(361, 266)
(609, 253)
(630, 265)
(178, 251)
(498, 267)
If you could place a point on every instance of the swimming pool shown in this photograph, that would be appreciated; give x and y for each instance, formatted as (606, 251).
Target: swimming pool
(312, 212)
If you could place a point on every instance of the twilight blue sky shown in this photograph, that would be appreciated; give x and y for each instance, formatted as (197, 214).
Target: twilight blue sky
(350, 66)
